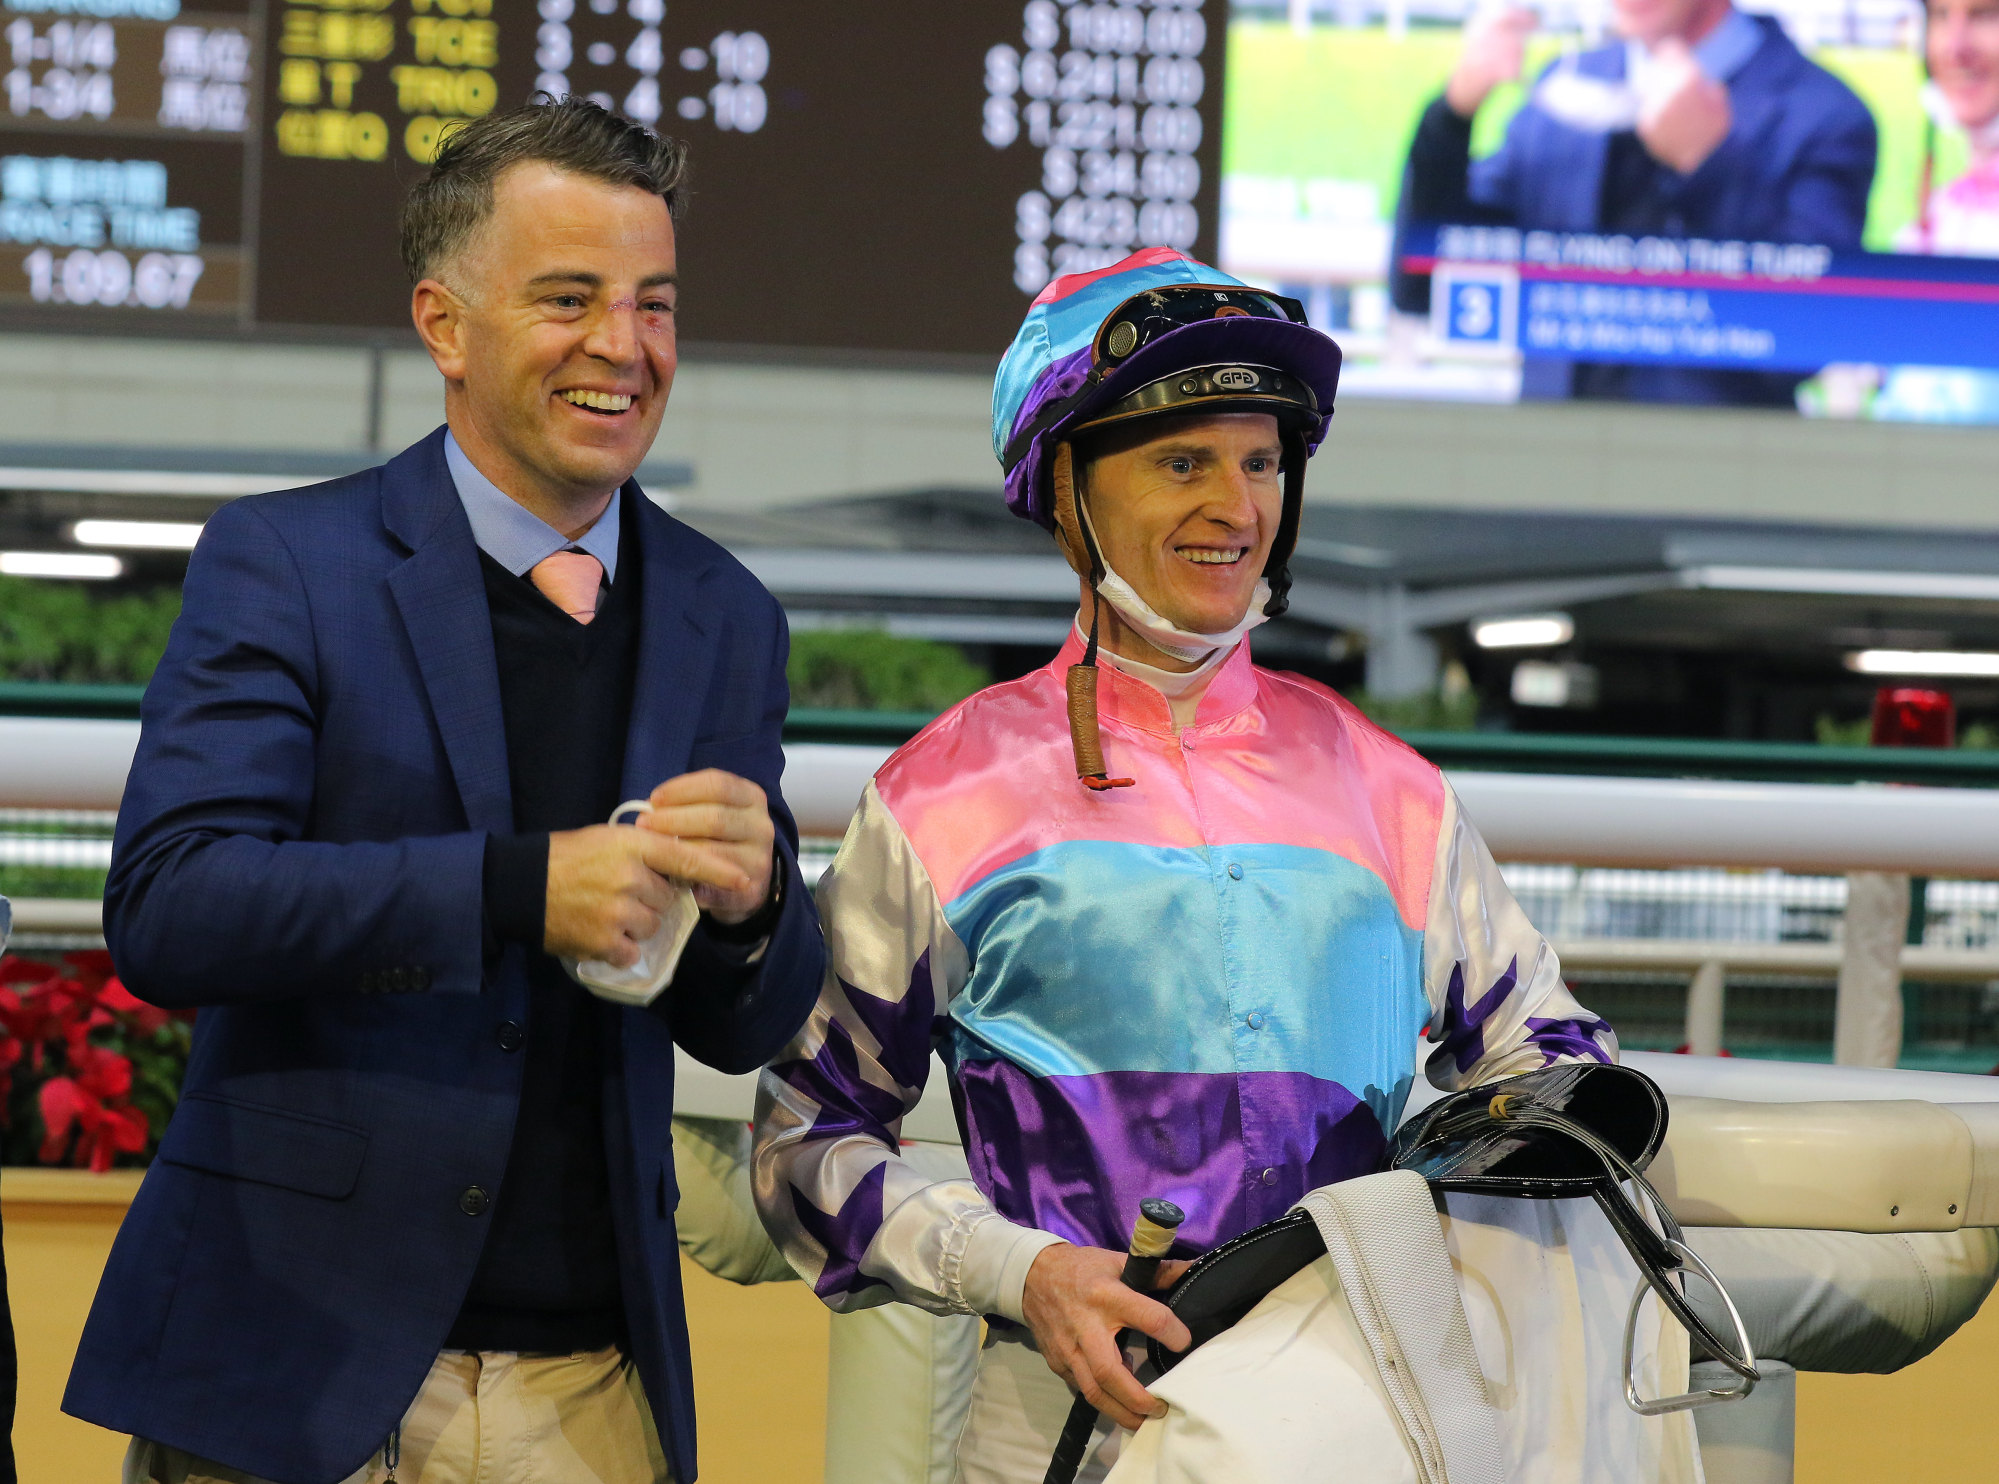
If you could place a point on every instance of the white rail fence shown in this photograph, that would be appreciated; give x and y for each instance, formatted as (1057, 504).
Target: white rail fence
(1575, 848)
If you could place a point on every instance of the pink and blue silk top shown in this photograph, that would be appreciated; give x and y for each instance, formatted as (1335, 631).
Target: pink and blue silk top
(1208, 987)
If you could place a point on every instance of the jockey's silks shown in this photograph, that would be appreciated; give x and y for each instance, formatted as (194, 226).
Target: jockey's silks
(1208, 987)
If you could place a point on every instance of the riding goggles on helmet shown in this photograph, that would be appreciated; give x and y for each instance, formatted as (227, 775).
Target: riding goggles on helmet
(1143, 318)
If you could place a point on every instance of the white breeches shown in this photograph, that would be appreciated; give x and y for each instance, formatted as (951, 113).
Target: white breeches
(1017, 1411)
(899, 1384)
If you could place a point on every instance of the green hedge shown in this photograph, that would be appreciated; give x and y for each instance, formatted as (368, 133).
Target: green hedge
(65, 633)
(62, 631)
(870, 670)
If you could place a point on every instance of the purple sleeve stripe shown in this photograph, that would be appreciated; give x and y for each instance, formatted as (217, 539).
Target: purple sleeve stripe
(1463, 1038)
(845, 1235)
(900, 1027)
(1575, 1037)
(848, 1102)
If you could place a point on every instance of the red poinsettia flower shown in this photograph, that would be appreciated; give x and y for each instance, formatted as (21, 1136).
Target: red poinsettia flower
(10, 1057)
(41, 1013)
(115, 998)
(90, 1106)
(67, 1031)
(90, 967)
(25, 970)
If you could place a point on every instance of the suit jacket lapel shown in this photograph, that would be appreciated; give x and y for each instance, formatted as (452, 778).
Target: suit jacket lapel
(676, 653)
(441, 595)
(1757, 95)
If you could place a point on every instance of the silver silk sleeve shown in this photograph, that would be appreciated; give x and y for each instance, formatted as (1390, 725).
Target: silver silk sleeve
(1498, 1005)
(852, 1216)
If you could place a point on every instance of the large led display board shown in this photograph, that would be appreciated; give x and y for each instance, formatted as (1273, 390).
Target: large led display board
(898, 176)
(1779, 203)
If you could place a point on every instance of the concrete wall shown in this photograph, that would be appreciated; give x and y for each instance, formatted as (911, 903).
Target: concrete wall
(760, 434)
(181, 394)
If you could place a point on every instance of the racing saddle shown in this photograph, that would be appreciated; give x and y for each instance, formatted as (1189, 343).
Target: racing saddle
(1579, 1129)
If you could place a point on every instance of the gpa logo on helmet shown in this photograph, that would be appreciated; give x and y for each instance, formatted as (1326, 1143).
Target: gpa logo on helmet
(1237, 379)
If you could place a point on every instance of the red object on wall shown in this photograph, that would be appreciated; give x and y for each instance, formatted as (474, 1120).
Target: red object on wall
(1909, 716)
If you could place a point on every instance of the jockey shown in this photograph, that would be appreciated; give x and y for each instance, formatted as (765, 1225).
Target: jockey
(1173, 922)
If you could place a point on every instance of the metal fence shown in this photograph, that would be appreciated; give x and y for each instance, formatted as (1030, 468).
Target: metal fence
(58, 839)
(1949, 1024)
(1733, 906)
(56, 855)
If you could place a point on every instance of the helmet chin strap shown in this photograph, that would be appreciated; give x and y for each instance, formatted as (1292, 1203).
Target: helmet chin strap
(1085, 734)
(1277, 566)
(1080, 546)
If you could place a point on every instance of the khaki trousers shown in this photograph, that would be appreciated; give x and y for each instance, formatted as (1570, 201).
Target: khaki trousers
(490, 1418)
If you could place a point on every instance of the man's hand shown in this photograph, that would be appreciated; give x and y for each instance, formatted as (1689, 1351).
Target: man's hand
(720, 832)
(608, 884)
(1495, 50)
(607, 887)
(1685, 114)
(1075, 1305)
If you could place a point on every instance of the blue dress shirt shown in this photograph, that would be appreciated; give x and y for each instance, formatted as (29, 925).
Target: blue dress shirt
(1721, 53)
(513, 535)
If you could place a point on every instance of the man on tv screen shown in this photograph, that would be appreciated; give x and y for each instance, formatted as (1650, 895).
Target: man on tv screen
(1698, 121)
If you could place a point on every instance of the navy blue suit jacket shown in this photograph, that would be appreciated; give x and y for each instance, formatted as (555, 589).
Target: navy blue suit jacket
(1796, 166)
(299, 854)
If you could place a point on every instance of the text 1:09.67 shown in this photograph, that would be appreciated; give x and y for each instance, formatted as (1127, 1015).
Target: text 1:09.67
(161, 280)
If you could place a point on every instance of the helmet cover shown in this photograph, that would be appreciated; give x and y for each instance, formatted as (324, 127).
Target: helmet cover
(1068, 368)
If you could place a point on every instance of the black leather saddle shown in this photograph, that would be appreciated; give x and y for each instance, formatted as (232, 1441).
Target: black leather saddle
(1579, 1129)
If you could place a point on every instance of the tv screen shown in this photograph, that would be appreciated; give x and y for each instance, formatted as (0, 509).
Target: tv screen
(1670, 201)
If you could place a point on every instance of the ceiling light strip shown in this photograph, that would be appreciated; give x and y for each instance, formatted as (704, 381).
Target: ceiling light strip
(86, 564)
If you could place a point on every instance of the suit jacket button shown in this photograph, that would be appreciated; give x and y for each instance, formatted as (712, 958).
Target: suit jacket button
(509, 1035)
(419, 978)
(473, 1201)
(399, 980)
(370, 983)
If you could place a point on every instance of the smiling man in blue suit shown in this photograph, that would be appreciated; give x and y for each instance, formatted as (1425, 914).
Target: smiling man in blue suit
(1700, 121)
(413, 1218)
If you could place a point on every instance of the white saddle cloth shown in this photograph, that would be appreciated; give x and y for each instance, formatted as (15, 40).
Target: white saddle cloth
(1294, 1392)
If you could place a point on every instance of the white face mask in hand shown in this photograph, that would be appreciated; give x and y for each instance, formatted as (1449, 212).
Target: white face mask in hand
(1593, 105)
(659, 955)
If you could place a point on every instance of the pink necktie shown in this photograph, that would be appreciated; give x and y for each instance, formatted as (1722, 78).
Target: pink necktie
(570, 580)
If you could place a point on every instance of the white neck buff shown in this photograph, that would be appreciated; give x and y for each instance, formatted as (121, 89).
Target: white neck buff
(1182, 689)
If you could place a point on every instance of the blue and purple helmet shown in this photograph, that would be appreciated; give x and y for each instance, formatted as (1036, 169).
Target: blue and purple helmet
(1158, 334)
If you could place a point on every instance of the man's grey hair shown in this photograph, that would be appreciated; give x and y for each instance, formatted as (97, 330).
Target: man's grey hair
(446, 208)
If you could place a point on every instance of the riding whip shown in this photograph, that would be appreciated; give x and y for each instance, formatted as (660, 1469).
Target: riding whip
(1151, 1236)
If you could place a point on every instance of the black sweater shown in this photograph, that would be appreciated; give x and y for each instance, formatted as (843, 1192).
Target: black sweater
(548, 1276)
